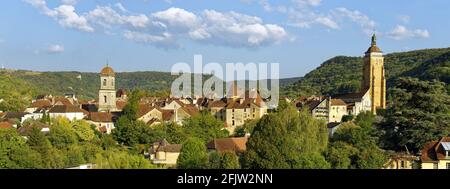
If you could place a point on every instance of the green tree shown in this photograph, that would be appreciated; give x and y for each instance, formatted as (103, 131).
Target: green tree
(15, 93)
(62, 135)
(419, 112)
(354, 147)
(15, 153)
(83, 130)
(130, 132)
(229, 160)
(214, 160)
(286, 139)
(131, 109)
(117, 159)
(193, 155)
(205, 127)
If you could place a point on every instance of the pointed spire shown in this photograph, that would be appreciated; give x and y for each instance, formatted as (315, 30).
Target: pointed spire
(374, 39)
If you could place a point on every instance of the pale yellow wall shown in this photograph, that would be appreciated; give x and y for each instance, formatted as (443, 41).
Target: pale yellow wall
(172, 106)
(150, 115)
(396, 164)
(109, 91)
(336, 113)
(239, 116)
(442, 164)
(168, 158)
(374, 79)
(321, 111)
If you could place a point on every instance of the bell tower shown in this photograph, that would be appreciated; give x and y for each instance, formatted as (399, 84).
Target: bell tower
(107, 92)
(373, 76)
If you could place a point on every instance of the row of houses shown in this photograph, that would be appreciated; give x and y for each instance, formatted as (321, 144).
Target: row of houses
(162, 152)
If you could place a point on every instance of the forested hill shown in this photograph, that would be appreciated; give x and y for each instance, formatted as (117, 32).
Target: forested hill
(86, 85)
(343, 74)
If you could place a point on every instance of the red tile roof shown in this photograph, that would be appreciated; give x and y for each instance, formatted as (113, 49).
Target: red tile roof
(44, 103)
(6, 125)
(100, 117)
(120, 104)
(433, 151)
(337, 102)
(235, 144)
(66, 109)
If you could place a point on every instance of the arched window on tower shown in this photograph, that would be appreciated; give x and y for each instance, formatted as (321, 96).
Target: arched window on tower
(105, 98)
(104, 82)
(112, 82)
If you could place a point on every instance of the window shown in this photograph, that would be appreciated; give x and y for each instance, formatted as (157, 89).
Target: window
(402, 164)
(112, 82)
(104, 82)
(232, 122)
(245, 109)
(105, 98)
(448, 165)
(435, 166)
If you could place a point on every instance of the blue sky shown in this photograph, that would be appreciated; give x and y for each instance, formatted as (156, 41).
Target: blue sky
(152, 35)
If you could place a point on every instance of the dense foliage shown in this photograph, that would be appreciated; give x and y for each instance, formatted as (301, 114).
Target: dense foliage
(15, 94)
(68, 144)
(419, 112)
(343, 74)
(287, 139)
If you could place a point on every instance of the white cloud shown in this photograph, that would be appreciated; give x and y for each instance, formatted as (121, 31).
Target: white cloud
(107, 17)
(54, 49)
(164, 40)
(67, 17)
(361, 19)
(64, 14)
(166, 28)
(235, 29)
(404, 18)
(121, 7)
(177, 18)
(327, 21)
(401, 32)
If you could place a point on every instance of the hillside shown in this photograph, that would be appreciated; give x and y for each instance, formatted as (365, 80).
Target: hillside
(343, 74)
(86, 85)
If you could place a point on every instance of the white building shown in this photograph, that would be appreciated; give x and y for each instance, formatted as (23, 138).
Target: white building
(69, 112)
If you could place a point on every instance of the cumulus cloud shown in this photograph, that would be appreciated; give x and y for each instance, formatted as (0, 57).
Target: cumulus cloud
(55, 49)
(107, 17)
(235, 29)
(165, 28)
(67, 17)
(359, 18)
(401, 32)
(64, 14)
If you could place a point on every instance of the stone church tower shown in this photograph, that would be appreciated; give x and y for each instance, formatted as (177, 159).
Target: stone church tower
(373, 76)
(107, 92)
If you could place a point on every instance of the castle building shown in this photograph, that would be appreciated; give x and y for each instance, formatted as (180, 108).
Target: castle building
(107, 92)
(374, 80)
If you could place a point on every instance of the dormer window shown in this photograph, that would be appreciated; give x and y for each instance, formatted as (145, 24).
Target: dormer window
(446, 146)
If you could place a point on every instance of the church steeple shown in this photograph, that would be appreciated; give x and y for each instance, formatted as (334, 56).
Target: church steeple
(373, 76)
